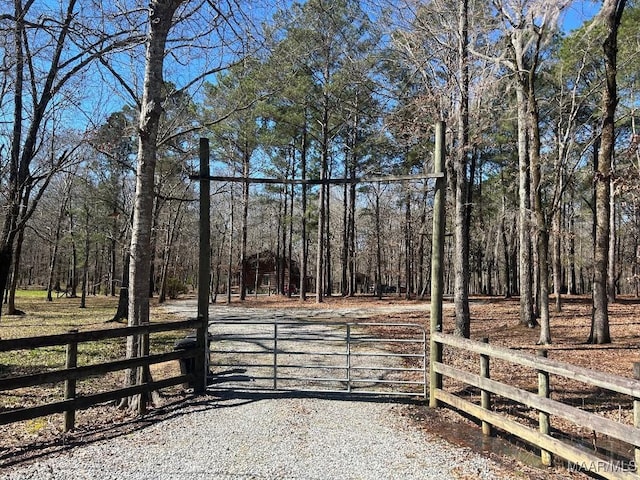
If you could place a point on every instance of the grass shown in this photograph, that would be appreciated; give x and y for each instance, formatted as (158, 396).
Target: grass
(49, 318)
(60, 316)
(31, 293)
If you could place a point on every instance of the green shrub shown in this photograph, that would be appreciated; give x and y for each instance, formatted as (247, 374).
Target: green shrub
(175, 287)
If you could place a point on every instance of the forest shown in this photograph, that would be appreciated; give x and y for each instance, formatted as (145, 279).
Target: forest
(102, 108)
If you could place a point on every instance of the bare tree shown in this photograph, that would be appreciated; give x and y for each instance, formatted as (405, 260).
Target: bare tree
(527, 26)
(160, 22)
(42, 74)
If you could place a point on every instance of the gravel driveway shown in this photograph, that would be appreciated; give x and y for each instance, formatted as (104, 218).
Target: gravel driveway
(270, 438)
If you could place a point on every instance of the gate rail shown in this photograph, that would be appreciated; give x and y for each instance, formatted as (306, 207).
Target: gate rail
(313, 356)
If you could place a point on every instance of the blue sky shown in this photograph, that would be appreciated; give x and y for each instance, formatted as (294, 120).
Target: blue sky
(578, 12)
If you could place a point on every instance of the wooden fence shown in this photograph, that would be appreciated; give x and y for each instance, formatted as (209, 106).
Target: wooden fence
(72, 372)
(579, 459)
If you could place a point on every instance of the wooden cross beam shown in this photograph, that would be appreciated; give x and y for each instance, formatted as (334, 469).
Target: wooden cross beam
(318, 181)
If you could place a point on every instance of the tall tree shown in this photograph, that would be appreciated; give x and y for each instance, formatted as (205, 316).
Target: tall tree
(526, 26)
(160, 22)
(442, 31)
(611, 15)
(462, 192)
(325, 43)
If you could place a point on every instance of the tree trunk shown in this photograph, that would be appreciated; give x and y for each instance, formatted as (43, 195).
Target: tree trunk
(17, 254)
(277, 262)
(11, 301)
(112, 257)
(557, 258)
(350, 203)
(344, 288)
(72, 283)
(461, 252)
(160, 21)
(408, 254)
(85, 263)
(215, 284)
(321, 235)
(611, 13)
(524, 223)
(290, 284)
(282, 253)
(351, 241)
(542, 235)
(497, 255)
(571, 254)
(164, 267)
(98, 258)
(506, 256)
(54, 252)
(524, 193)
(490, 262)
(173, 227)
(122, 312)
(17, 172)
(422, 284)
(158, 206)
(328, 289)
(230, 252)
(613, 240)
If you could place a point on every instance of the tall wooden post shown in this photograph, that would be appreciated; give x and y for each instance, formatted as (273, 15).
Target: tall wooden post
(437, 255)
(202, 358)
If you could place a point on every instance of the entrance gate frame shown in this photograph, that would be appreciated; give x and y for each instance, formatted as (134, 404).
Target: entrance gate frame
(201, 366)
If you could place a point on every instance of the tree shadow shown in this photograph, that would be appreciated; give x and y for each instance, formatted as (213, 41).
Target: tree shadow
(185, 404)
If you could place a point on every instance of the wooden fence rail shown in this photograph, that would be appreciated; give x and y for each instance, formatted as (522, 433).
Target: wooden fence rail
(578, 458)
(72, 372)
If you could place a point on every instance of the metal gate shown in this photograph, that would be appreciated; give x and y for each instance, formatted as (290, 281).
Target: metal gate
(313, 356)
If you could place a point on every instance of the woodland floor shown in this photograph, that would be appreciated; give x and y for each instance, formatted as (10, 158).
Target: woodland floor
(493, 318)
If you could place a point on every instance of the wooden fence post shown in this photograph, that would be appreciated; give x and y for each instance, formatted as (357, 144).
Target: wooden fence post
(437, 254)
(543, 418)
(636, 414)
(201, 366)
(485, 397)
(70, 384)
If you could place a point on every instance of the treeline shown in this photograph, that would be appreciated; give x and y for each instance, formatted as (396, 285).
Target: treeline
(338, 90)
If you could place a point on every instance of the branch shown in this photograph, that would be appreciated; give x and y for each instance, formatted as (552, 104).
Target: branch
(123, 83)
(47, 179)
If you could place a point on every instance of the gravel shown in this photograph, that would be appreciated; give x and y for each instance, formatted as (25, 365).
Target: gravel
(270, 438)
